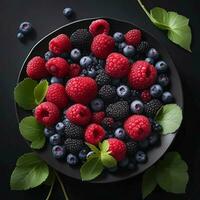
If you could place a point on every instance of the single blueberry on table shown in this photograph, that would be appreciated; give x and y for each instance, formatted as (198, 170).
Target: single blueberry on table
(118, 37)
(48, 55)
(120, 133)
(25, 28)
(91, 72)
(161, 67)
(75, 55)
(121, 46)
(156, 91)
(67, 12)
(60, 126)
(129, 51)
(141, 157)
(123, 91)
(72, 159)
(58, 151)
(153, 53)
(163, 80)
(55, 139)
(56, 80)
(20, 36)
(49, 132)
(97, 105)
(123, 163)
(86, 61)
(137, 107)
(150, 60)
(167, 97)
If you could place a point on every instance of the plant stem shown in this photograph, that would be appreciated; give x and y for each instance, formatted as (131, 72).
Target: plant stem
(50, 191)
(62, 186)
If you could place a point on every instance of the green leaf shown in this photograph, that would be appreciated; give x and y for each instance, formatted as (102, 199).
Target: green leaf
(172, 175)
(93, 148)
(91, 169)
(148, 182)
(24, 94)
(32, 131)
(177, 25)
(30, 172)
(107, 160)
(170, 118)
(104, 146)
(40, 91)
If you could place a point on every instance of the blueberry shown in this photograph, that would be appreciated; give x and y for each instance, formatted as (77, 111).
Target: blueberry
(72, 159)
(55, 139)
(129, 50)
(124, 163)
(118, 37)
(123, 91)
(85, 61)
(48, 55)
(163, 80)
(132, 166)
(167, 97)
(97, 105)
(153, 53)
(150, 60)
(112, 169)
(156, 90)
(83, 154)
(66, 121)
(120, 133)
(25, 27)
(67, 12)
(161, 67)
(75, 55)
(48, 132)
(56, 80)
(137, 107)
(60, 128)
(58, 151)
(157, 128)
(141, 157)
(121, 46)
(91, 73)
(20, 36)
(154, 139)
(144, 144)
(89, 154)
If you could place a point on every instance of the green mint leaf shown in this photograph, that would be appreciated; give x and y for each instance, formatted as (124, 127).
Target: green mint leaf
(32, 131)
(91, 169)
(171, 174)
(170, 118)
(30, 172)
(24, 94)
(104, 146)
(93, 148)
(107, 160)
(177, 25)
(40, 91)
(148, 182)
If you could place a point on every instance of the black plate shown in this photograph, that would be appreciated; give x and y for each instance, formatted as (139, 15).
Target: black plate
(116, 25)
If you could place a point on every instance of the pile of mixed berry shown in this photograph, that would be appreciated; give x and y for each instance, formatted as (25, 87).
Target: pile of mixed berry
(102, 87)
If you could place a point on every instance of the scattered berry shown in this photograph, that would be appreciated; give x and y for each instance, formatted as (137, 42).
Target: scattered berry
(48, 55)
(75, 55)
(123, 91)
(163, 80)
(97, 105)
(97, 117)
(91, 73)
(107, 123)
(141, 157)
(49, 131)
(143, 47)
(120, 133)
(131, 147)
(20, 36)
(121, 46)
(137, 107)
(107, 92)
(83, 154)
(25, 28)
(167, 97)
(58, 152)
(102, 79)
(129, 51)
(133, 37)
(99, 26)
(74, 145)
(161, 67)
(55, 139)
(67, 12)
(73, 131)
(153, 53)
(152, 107)
(85, 61)
(145, 96)
(60, 128)
(118, 37)
(72, 159)
(156, 90)
(74, 70)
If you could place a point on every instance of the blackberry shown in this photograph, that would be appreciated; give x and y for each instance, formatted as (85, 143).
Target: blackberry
(118, 110)
(152, 107)
(81, 39)
(131, 147)
(74, 146)
(107, 92)
(103, 79)
(107, 123)
(143, 47)
(73, 131)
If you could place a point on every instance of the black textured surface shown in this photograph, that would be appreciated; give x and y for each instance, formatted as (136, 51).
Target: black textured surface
(47, 16)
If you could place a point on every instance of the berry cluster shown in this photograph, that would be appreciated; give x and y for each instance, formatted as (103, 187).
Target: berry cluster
(100, 89)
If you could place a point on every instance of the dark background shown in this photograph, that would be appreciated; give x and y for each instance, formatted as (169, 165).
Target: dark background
(46, 15)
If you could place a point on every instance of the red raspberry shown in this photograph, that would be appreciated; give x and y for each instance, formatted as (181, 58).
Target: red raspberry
(56, 94)
(94, 134)
(97, 117)
(81, 89)
(36, 68)
(142, 75)
(117, 148)
(58, 67)
(74, 70)
(47, 113)
(102, 46)
(60, 44)
(137, 127)
(145, 96)
(99, 26)
(133, 37)
(117, 65)
(79, 114)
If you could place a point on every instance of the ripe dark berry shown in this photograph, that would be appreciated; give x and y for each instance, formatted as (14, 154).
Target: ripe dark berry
(86, 61)
(55, 139)
(75, 55)
(67, 12)
(72, 159)
(123, 91)
(118, 37)
(25, 28)
(73, 131)
(156, 90)
(120, 133)
(167, 97)
(141, 157)
(73, 145)
(58, 151)
(60, 128)
(150, 60)
(91, 72)
(157, 128)
(154, 139)
(131, 147)
(153, 53)
(121, 46)
(20, 36)
(137, 107)
(97, 105)
(152, 107)
(102, 79)
(107, 123)
(48, 55)
(161, 67)
(163, 80)
(48, 132)
(107, 92)
(143, 47)
(129, 51)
